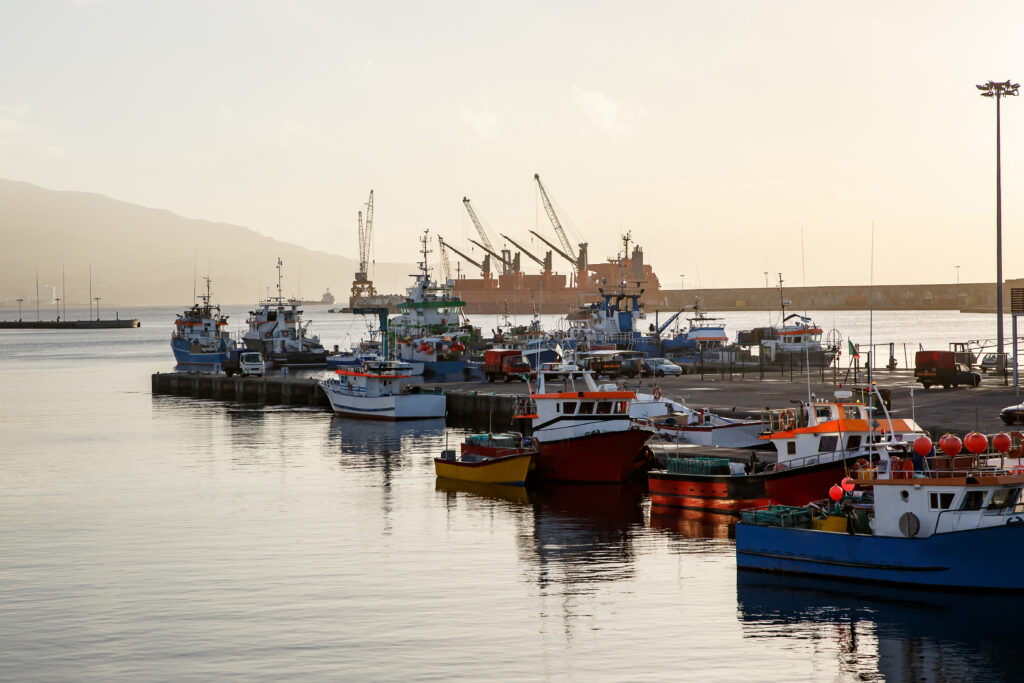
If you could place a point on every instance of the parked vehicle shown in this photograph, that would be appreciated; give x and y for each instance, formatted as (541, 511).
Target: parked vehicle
(940, 367)
(1012, 415)
(242, 361)
(505, 363)
(991, 362)
(659, 367)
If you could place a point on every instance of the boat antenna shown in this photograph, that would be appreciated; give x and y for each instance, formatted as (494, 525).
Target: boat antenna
(195, 272)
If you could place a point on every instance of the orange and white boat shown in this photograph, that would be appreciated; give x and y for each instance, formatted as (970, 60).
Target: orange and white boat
(583, 432)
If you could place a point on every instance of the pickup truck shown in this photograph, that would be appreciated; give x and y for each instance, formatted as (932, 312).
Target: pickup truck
(505, 363)
(940, 367)
(244, 362)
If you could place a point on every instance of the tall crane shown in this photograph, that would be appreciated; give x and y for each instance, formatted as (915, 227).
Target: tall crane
(485, 266)
(446, 268)
(362, 286)
(505, 257)
(578, 259)
(545, 263)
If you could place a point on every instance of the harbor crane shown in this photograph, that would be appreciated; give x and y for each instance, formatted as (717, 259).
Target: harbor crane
(505, 257)
(446, 268)
(545, 263)
(362, 286)
(485, 266)
(577, 259)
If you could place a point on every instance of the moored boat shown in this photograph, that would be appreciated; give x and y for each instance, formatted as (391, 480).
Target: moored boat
(378, 393)
(200, 335)
(584, 432)
(930, 527)
(276, 330)
(511, 469)
(813, 445)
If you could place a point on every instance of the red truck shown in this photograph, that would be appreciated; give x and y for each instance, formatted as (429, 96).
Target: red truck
(505, 363)
(941, 367)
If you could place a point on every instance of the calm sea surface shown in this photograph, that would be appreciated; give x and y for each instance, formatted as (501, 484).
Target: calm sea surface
(159, 538)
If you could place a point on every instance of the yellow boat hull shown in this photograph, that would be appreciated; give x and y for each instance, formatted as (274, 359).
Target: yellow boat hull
(511, 469)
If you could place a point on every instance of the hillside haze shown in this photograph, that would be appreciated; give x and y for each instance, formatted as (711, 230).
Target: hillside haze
(144, 256)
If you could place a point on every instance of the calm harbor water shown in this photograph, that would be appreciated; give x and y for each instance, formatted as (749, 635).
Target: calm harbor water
(156, 538)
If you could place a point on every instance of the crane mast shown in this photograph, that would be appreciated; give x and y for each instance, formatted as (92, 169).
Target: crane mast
(362, 286)
(485, 266)
(578, 259)
(446, 268)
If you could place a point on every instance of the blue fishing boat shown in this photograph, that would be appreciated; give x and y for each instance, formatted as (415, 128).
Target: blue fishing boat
(952, 523)
(200, 335)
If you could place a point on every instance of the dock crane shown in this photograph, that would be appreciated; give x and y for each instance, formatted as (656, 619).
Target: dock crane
(505, 257)
(446, 267)
(485, 266)
(545, 263)
(362, 286)
(578, 260)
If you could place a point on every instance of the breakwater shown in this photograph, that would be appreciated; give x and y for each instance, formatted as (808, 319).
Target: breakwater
(117, 324)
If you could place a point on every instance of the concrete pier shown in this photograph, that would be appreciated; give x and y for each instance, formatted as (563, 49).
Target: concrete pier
(298, 391)
(117, 324)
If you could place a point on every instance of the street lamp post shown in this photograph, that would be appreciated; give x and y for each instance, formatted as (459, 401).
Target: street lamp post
(97, 300)
(19, 308)
(999, 90)
(56, 303)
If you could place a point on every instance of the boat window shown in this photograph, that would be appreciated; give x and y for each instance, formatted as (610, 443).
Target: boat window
(973, 500)
(622, 407)
(853, 442)
(1003, 499)
(586, 407)
(604, 408)
(851, 412)
(823, 411)
(569, 407)
(940, 501)
(791, 447)
(828, 443)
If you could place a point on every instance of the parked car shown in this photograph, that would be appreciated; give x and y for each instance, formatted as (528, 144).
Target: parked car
(634, 367)
(940, 367)
(659, 367)
(1012, 415)
(990, 361)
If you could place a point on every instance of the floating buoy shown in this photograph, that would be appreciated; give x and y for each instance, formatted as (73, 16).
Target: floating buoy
(950, 445)
(848, 484)
(1002, 442)
(922, 446)
(836, 492)
(975, 442)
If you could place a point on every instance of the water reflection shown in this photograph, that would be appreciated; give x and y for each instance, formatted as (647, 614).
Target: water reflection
(693, 523)
(519, 495)
(383, 439)
(887, 633)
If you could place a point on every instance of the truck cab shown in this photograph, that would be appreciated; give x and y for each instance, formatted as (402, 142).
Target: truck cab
(244, 362)
(941, 367)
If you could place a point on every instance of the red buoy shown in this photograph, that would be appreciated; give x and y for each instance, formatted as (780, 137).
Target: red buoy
(975, 442)
(950, 444)
(1002, 442)
(836, 492)
(922, 446)
(848, 484)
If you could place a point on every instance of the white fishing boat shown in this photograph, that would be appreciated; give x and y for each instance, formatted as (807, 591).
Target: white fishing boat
(276, 330)
(377, 392)
(676, 422)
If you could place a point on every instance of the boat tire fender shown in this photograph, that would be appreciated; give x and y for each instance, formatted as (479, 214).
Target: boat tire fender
(1016, 445)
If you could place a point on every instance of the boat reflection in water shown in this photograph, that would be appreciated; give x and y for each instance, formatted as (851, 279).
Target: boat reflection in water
(519, 495)
(385, 439)
(693, 523)
(888, 633)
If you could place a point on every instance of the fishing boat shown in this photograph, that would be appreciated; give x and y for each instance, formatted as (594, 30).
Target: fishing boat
(511, 469)
(795, 336)
(675, 422)
(377, 392)
(200, 335)
(945, 525)
(276, 330)
(429, 328)
(814, 444)
(583, 432)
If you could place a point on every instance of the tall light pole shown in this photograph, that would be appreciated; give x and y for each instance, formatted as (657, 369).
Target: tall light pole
(56, 302)
(19, 308)
(97, 300)
(957, 275)
(999, 90)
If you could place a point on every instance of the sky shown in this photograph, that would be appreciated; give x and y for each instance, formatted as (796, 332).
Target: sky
(729, 138)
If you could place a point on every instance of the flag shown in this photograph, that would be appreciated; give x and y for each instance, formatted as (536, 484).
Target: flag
(853, 350)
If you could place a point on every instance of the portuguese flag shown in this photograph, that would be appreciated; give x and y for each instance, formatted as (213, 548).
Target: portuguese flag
(853, 349)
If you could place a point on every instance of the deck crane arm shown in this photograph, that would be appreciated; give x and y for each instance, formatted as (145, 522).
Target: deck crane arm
(479, 226)
(558, 251)
(539, 261)
(365, 233)
(485, 267)
(555, 223)
(671, 319)
(501, 259)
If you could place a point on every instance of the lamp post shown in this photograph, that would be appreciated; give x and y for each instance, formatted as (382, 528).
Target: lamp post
(56, 302)
(999, 90)
(97, 300)
(957, 275)
(19, 308)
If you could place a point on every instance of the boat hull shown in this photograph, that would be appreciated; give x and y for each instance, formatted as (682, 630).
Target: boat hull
(739, 434)
(605, 457)
(981, 559)
(394, 407)
(184, 356)
(730, 493)
(509, 469)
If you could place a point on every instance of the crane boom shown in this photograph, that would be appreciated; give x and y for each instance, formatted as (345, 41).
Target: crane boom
(558, 251)
(501, 259)
(553, 217)
(543, 264)
(485, 267)
(479, 226)
(446, 268)
(365, 232)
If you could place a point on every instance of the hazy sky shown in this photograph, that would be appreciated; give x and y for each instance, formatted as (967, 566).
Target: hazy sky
(716, 132)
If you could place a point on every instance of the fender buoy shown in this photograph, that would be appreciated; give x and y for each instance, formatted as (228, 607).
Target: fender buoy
(266, 335)
(1016, 445)
(786, 420)
(657, 393)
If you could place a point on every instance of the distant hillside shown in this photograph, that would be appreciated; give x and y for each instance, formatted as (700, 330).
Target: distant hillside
(143, 256)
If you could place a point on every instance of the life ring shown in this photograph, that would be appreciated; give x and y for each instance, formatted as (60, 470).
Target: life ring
(787, 420)
(657, 393)
(1016, 445)
(266, 335)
